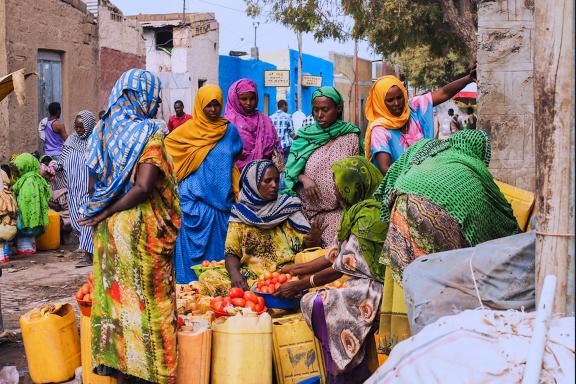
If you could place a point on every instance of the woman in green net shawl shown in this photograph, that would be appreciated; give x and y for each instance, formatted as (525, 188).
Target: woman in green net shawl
(440, 196)
(345, 319)
(314, 149)
(32, 194)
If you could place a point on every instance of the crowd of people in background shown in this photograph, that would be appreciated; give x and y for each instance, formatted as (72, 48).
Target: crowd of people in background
(149, 200)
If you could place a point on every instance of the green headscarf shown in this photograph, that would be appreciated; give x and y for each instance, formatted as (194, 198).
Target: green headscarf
(453, 174)
(32, 193)
(357, 179)
(311, 137)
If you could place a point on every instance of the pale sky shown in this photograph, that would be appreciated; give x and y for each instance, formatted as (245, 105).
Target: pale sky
(236, 30)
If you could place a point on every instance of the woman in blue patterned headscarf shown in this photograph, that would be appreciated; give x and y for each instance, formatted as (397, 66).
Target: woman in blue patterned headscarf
(121, 135)
(135, 215)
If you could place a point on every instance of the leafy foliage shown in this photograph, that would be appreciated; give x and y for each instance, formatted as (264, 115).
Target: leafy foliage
(432, 41)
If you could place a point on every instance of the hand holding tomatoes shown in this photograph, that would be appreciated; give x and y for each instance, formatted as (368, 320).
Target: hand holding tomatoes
(291, 289)
(271, 282)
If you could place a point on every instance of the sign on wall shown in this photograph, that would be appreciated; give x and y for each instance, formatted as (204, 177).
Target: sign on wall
(311, 81)
(277, 78)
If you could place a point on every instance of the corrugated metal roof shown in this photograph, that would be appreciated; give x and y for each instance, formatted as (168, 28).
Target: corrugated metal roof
(92, 6)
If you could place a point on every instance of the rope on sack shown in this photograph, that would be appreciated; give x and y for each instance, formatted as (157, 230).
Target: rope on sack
(474, 281)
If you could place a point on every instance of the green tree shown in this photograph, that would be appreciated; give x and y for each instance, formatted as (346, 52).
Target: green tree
(432, 41)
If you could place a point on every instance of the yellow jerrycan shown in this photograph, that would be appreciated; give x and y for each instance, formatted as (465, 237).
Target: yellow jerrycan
(242, 349)
(194, 351)
(50, 239)
(88, 377)
(51, 343)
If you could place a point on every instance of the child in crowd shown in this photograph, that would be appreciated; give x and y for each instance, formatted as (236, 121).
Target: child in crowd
(8, 213)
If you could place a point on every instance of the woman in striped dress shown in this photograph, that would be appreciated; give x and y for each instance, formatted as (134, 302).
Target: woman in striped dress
(73, 161)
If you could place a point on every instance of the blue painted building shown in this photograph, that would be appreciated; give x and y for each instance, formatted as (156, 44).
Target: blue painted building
(311, 65)
(234, 68)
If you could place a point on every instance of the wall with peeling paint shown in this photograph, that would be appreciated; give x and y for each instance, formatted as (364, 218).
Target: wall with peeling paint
(505, 84)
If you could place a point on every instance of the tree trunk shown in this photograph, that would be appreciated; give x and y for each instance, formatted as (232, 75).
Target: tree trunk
(463, 23)
(554, 117)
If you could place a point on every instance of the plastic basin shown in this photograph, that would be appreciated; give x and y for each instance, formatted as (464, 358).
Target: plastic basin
(272, 301)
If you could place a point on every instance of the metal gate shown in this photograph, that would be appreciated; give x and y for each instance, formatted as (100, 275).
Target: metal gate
(49, 81)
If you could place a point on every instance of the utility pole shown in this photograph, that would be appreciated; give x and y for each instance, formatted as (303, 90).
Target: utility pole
(255, 53)
(299, 71)
(183, 11)
(356, 115)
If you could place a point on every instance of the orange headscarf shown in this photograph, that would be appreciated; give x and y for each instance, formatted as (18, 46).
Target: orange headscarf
(190, 143)
(378, 114)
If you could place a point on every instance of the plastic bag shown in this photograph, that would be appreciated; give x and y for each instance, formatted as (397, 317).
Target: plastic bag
(442, 284)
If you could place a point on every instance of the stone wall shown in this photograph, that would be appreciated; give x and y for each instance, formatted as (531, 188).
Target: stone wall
(505, 84)
(61, 26)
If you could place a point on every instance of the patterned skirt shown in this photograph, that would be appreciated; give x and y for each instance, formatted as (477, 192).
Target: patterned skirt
(417, 228)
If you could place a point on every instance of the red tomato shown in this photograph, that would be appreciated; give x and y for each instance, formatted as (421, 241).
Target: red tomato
(282, 279)
(275, 274)
(87, 297)
(273, 281)
(260, 284)
(85, 288)
(251, 305)
(277, 285)
(261, 301)
(271, 288)
(264, 289)
(238, 302)
(236, 293)
(79, 295)
(220, 306)
(258, 308)
(250, 296)
(226, 301)
(288, 276)
(205, 263)
(218, 298)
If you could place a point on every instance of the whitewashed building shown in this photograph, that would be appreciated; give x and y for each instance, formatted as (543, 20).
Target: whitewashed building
(183, 52)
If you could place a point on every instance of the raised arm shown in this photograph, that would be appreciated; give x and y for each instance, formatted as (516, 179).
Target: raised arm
(450, 90)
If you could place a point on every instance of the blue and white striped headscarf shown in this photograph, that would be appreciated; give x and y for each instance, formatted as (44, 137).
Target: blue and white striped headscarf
(251, 209)
(119, 138)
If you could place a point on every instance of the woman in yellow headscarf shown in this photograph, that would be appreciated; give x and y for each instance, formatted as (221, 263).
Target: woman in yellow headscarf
(396, 122)
(204, 150)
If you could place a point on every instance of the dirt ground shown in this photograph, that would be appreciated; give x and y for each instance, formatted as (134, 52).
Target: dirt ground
(32, 281)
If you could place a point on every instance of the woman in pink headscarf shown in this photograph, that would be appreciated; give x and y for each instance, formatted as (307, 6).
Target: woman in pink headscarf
(258, 134)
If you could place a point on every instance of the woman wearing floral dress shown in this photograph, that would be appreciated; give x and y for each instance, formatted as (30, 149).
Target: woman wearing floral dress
(135, 213)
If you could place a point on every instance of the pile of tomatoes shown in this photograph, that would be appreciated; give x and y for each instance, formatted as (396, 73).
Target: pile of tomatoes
(236, 300)
(270, 282)
(212, 264)
(85, 292)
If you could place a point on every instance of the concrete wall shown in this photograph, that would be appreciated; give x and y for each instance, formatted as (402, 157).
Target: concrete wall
(235, 68)
(311, 65)
(344, 81)
(194, 57)
(62, 26)
(505, 84)
(121, 48)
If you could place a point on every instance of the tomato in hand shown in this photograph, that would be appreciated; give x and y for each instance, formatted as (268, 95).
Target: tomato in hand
(271, 288)
(238, 302)
(282, 279)
(236, 293)
(79, 295)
